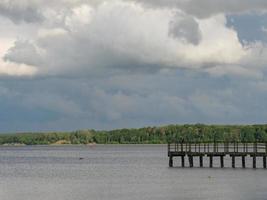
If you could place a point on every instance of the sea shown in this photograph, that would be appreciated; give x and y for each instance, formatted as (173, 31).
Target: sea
(121, 172)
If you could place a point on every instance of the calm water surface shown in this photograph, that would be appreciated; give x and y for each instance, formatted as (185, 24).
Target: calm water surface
(118, 172)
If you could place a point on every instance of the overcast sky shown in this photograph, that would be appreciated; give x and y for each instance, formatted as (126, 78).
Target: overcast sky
(104, 64)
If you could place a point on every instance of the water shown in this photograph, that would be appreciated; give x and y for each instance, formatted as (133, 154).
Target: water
(118, 172)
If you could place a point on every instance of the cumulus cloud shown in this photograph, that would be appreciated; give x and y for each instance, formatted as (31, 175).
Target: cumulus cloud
(97, 38)
(85, 37)
(10, 68)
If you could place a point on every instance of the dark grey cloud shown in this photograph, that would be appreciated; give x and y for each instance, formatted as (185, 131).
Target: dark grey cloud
(19, 11)
(36, 10)
(130, 101)
(24, 52)
(186, 28)
(207, 8)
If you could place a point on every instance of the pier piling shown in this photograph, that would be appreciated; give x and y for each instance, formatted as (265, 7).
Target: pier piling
(222, 161)
(191, 161)
(182, 161)
(243, 162)
(254, 162)
(170, 161)
(211, 161)
(233, 161)
(201, 161)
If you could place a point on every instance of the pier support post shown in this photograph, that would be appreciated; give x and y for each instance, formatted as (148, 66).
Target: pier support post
(191, 162)
(254, 162)
(170, 161)
(264, 162)
(201, 161)
(233, 161)
(182, 161)
(222, 161)
(211, 161)
(243, 161)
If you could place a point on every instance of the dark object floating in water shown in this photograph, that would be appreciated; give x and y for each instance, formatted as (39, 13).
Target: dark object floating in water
(81, 158)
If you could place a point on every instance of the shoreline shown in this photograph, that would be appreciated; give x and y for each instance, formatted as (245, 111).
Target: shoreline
(80, 145)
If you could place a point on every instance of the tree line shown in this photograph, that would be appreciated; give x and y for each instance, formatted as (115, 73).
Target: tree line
(147, 135)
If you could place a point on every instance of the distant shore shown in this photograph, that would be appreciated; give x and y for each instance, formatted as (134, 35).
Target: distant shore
(66, 145)
(146, 135)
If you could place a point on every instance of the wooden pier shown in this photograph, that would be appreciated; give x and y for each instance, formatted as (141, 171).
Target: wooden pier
(220, 150)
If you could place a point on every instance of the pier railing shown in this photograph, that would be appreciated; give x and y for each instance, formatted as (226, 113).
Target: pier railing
(234, 147)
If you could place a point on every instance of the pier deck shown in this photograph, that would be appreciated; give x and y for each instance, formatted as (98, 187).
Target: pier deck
(221, 150)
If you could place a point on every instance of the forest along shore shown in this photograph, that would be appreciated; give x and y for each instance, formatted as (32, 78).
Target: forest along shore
(146, 135)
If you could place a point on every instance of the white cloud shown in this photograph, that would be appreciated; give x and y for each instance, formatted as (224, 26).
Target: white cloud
(80, 16)
(219, 44)
(11, 68)
(43, 33)
(127, 36)
(99, 37)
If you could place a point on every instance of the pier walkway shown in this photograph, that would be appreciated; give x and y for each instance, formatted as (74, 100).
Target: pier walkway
(211, 150)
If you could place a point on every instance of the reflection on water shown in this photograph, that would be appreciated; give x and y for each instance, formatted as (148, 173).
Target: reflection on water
(119, 172)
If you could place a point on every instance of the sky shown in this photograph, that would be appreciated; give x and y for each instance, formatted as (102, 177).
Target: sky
(107, 64)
